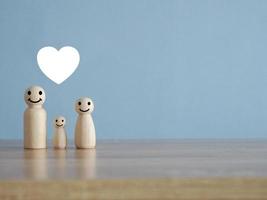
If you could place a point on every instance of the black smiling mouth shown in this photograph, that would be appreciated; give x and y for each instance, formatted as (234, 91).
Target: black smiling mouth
(59, 125)
(84, 110)
(34, 101)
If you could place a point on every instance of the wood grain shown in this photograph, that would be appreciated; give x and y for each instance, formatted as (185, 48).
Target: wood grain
(136, 159)
(190, 189)
(161, 169)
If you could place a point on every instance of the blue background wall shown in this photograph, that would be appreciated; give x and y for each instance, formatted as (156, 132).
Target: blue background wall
(155, 69)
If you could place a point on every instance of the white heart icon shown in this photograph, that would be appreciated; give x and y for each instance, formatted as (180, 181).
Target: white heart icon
(58, 65)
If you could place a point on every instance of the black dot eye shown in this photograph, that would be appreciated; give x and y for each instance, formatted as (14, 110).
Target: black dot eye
(56, 120)
(29, 92)
(62, 120)
(89, 103)
(80, 103)
(40, 92)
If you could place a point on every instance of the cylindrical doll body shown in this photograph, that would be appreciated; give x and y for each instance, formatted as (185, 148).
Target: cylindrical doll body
(35, 119)
(85, 136)
(60, 136)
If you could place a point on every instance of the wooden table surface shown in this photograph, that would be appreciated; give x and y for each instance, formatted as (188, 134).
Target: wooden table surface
(148, 169)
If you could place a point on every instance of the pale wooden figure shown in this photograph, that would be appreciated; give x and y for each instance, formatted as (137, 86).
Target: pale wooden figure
(60, 136)
(85, 130)
(35, 119)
